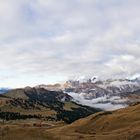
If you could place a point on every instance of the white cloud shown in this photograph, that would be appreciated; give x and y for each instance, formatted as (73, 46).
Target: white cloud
(69, 38)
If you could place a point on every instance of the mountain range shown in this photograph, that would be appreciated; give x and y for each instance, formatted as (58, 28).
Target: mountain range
(107, 94)
(75, 110)
(4, 90)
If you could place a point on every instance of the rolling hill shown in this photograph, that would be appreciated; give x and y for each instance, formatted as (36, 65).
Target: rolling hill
(43, 104)
(41, 114)
(123, 124)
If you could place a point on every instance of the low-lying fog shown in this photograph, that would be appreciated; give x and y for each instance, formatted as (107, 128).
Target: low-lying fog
(105, 102)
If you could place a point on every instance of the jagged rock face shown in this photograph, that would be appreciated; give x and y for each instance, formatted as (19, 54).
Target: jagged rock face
(103, 88)
(109, 94)
(96, 88)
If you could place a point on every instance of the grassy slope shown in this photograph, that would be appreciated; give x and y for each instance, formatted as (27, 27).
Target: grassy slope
(16, 93)
(123, 124)
(44, 103)
(22, 133)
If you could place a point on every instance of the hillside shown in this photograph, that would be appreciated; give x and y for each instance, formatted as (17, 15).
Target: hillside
(123, 124)
(44, 115)
(43, 104)
(41, 114)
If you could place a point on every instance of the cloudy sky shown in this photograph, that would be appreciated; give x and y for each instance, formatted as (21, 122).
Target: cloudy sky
(47, 41)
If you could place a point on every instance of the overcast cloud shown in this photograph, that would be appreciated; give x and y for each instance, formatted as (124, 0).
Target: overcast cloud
(47, 41)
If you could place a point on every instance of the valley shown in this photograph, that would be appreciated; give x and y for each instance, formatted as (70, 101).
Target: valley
(71, 112)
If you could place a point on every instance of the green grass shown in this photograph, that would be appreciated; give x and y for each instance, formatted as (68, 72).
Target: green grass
(69, 105)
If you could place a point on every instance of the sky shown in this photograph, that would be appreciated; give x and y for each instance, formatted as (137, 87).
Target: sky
(49, 41)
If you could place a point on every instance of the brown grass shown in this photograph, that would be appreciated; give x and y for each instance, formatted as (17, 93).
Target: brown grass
(123, 124)
(22, 133)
